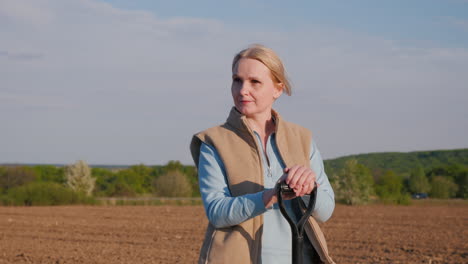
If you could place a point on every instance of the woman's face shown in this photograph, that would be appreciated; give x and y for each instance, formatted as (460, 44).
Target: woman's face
(253, 89)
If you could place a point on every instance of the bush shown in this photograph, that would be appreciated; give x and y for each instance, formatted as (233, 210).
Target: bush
(173, 184)
(404, 199)
(121, 189)
(44, 193)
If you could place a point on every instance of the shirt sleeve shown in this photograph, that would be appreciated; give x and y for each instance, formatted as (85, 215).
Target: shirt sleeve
(221, 208)
(325, 203)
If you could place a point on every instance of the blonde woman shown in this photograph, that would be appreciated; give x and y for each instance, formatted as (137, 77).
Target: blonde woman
(240, 162)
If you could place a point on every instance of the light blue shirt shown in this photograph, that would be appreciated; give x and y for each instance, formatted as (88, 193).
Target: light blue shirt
(223, 210)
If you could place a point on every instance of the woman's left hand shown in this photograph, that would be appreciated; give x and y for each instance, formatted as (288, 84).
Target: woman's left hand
(301, 179)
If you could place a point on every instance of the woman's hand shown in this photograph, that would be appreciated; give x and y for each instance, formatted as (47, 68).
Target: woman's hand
(301, 179)
(270, 197)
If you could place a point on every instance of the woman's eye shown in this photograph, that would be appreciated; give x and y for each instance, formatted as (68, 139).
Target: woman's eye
(236, 79)
(255, 81)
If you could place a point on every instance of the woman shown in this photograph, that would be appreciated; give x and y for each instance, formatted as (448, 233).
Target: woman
(240, 162)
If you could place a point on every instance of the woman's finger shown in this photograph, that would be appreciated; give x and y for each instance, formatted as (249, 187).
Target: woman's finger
(308, 181)
(310, 188)
(295, 176)
(305, 177)
(291, 172)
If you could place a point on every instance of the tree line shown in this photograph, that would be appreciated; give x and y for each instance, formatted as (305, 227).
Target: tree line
(358, 179)
(79, 183)
(356, 184)
(394, 177)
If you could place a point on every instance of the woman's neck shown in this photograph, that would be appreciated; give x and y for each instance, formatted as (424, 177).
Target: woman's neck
(263, 125)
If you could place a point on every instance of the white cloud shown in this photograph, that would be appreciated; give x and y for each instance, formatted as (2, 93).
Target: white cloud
(455, 22)
(141, 85)
(463, 23)
(21, 56)
(32, 13)
(12, 101)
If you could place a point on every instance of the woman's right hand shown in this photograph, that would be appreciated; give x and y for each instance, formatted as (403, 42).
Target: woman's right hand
(269, 197)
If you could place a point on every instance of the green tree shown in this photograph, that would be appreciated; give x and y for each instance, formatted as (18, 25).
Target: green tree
(123, 183)
(174, 165)
(418, 182)
(15, 176)
(189, 171)
(121, 188)
(104, 181)
(50, 173)
(457, 173)
(443, 187)
(173, 184)
(390, 189)
(79, 177)
(2, 176)
(144, 174)
(134, 180)
(462, 182)
(354, 183)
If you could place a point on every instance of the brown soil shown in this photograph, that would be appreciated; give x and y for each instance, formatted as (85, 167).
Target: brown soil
(173, 234)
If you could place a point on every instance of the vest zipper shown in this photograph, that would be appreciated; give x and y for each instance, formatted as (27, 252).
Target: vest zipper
(264, 154)
(269, 174)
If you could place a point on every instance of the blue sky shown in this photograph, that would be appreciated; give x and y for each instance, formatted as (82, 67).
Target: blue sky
(126, 82)
(415, 20)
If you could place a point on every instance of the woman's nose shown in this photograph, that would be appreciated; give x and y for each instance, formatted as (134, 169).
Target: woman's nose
(244, 89)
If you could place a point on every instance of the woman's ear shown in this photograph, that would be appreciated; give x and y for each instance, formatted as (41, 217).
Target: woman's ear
(278, 91)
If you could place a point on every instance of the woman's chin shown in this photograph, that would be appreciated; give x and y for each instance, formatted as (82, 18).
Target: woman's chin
(244, 110)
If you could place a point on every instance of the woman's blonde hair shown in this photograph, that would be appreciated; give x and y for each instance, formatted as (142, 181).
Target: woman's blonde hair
(269, 58)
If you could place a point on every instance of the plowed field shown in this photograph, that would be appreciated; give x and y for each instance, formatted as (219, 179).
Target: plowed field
(173, 234)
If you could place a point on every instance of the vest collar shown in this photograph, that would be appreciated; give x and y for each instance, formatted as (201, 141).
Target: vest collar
(239, 121)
